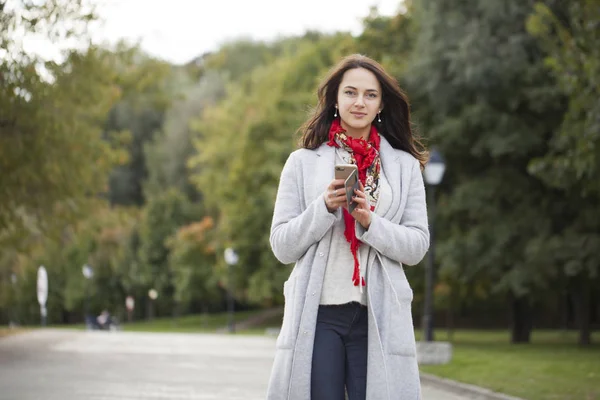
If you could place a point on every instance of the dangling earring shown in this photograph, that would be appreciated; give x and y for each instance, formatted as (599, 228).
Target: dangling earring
(335, 114)
(379, 116)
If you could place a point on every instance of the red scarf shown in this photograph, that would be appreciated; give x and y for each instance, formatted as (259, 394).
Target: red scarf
(366, 155)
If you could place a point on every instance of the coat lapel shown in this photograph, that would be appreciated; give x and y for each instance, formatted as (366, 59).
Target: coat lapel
(390, 162)
(324, 169)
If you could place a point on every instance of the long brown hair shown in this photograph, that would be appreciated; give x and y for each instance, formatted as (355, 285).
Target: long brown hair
(395, 123)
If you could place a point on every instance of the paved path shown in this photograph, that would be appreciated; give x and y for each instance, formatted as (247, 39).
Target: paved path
(71, 365)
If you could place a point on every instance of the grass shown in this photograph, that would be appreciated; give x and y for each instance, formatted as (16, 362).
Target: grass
(551, 367)
(198, 323)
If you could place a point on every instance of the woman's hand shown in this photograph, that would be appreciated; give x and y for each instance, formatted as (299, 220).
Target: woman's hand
(362, 213)
(335, 195)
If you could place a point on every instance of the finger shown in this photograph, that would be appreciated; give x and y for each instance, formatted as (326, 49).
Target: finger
(338, 194)
(360, 193)
(336, 183)
(359, 215)
(363, 203)
(360, 200)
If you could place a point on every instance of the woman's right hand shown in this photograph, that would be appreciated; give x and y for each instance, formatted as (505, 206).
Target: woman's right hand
(335, 195)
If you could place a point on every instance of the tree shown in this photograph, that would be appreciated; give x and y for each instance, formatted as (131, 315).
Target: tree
(147, 87)
(572, 162)
(192, 262)
(53, 154)
(160, 220)
(490, 105)
(170, 150)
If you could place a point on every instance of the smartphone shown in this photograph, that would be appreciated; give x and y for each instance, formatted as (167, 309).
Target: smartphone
(351, 184)
(343, 171)
(349, 173)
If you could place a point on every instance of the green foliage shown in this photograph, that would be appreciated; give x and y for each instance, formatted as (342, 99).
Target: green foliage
(573, 161)
(160, 219)
(147, 89)
(168, 153)
(55, 128)
(389, 40)
(242, 144)
(54, 156)
(192, 261)
(489, 105)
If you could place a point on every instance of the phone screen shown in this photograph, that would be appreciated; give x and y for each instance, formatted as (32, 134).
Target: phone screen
(351, 184)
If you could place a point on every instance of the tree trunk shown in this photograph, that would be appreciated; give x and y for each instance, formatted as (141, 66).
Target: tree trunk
(450, 315)
(582, 298)
(521, 320)
(563, 306)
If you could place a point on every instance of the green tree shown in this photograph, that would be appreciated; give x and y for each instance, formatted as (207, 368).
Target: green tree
(54, 156)
(572, 161)
(192, 261)
(490, 105)
(147, 90)
(170, 150)
(160, 219)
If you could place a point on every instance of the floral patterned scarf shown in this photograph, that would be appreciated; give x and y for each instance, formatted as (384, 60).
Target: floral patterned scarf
(365, 154)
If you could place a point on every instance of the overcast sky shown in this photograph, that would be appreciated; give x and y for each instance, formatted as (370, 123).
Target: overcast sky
(179, 30)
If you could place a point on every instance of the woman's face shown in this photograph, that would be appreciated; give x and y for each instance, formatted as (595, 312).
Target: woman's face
(358, 101)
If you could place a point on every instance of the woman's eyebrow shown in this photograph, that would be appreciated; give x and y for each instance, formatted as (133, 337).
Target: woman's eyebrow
(368, 90)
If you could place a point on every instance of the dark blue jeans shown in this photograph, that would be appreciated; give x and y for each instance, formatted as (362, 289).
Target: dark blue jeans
(340, 353)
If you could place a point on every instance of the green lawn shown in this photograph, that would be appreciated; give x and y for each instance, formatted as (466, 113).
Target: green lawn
(196, 323)
(552, 367)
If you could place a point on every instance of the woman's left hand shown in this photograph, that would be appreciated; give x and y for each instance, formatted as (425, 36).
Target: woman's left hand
(362, 213)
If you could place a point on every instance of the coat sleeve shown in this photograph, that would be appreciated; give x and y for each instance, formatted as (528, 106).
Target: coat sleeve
(294, 230)
(408, 241)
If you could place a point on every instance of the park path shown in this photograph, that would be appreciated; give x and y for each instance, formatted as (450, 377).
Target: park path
(57, 364)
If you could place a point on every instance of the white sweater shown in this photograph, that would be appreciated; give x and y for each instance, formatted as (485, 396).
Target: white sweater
(338, 287)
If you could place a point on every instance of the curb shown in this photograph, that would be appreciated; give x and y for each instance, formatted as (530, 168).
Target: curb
(465, 389)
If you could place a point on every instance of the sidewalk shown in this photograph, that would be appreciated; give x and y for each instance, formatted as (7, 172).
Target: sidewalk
(61, 364)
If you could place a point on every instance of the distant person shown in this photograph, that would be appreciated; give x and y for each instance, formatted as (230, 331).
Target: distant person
(347, 323)
(104, 320)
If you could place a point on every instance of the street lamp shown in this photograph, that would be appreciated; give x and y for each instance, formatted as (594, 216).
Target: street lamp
(88, 273)
(434, 172)
(231, 258)
(153, 295)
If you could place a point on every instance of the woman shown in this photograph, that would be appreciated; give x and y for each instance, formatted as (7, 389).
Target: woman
(347, 322)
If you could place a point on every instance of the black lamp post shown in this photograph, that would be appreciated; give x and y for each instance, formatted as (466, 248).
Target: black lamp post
(231, 258)
(434, 172)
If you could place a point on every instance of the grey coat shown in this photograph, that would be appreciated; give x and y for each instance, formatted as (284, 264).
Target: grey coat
(301, 234)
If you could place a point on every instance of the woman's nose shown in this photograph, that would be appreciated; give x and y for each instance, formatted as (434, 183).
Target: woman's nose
(360, 101)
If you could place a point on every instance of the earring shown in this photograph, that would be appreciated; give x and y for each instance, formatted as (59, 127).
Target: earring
(335, 114)
(379, 116)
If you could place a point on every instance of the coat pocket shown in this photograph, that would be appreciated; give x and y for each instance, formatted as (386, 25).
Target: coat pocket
(401, 333)
(285, 338)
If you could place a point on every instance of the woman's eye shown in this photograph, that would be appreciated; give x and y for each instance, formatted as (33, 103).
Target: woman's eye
(372, 95)
(349, 92)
